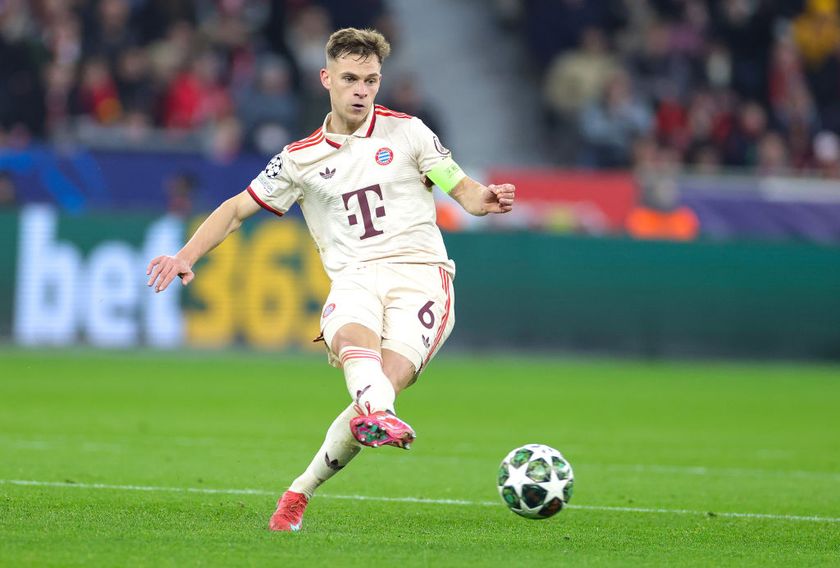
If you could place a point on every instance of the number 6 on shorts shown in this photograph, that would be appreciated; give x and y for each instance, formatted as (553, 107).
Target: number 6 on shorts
(425, 315)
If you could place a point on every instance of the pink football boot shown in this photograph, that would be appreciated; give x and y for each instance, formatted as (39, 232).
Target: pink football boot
(289, 513)
(382, 428)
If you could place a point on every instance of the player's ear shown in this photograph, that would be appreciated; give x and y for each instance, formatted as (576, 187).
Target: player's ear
(325, 79)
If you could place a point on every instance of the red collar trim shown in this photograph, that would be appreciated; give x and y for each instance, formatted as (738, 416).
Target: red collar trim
(372, 122)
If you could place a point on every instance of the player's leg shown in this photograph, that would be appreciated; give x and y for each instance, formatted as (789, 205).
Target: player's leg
(348, 320)
(338, 449)
(417, 321)
(358, 349)
(418, 317)
(373, 392)
(399, 369)
(340, 445)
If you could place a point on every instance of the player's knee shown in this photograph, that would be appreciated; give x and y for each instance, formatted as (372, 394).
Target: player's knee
(399, 370)
(353, 335)
(400, 381)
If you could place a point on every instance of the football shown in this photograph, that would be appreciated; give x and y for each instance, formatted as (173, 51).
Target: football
(535, 481)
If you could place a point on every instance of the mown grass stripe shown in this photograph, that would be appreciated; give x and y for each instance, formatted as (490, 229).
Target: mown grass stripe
(422, 500)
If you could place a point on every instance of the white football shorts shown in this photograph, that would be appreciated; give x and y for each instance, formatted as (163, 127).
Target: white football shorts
(410, 306)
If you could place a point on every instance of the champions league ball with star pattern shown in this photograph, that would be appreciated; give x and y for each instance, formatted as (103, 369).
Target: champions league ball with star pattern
(535, 481)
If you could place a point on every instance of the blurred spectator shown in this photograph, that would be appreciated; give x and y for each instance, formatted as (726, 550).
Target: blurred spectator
(197, 95)
(268, 108)
(153, 18)
(718, 66)
(638, 18)
(8, 191)
(658, 70)
(169, 55)
(610, 126)
(817, 31)
(57, 100)
(746, 27)
(308, 35)
(787, 77)
(133, 78)
(180, 194)
(689, 32)
(362, 14)
(793, 107)
(741, 146)
(577, 77)
(63, 37)
(225, 140)
(21, 87)
(659, 214)
(708, 120)
(228, 30)
(827, 154)
(108, 32)
(554, 26)
(137, 126)
(275, 36)
(404, 96)
(706, 160)
(772, 155)
(97, 96)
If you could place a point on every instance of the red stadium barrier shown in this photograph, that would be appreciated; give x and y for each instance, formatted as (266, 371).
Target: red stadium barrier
(605, 198)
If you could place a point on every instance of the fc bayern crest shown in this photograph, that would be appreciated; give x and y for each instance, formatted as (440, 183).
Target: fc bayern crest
(328, 310)
(384, 156)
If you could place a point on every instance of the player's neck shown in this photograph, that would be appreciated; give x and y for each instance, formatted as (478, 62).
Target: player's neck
(336, 125)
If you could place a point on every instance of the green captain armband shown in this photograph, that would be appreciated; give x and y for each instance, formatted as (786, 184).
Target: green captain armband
(446, 174)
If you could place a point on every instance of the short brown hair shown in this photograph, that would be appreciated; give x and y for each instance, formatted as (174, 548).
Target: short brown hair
(353, 41)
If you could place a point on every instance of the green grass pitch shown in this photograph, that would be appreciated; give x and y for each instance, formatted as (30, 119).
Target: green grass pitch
(148, 459)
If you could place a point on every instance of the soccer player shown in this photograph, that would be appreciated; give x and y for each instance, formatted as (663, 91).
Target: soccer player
(363, 181)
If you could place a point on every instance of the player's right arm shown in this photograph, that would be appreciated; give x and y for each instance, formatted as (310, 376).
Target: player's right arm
(227, 218)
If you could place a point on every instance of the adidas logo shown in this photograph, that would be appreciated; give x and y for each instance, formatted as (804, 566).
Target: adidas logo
(327, 173)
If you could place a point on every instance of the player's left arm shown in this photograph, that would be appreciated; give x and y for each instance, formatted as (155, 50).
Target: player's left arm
(476, 198)
(437, 166)
(480, 199)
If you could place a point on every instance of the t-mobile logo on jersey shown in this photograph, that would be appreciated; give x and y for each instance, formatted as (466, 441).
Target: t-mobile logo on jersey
(365, 209)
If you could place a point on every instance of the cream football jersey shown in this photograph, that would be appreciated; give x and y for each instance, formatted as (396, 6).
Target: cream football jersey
(362, 195)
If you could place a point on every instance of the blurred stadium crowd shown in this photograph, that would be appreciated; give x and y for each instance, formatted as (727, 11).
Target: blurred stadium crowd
(228, 74)
(715, 83)
(709, 84)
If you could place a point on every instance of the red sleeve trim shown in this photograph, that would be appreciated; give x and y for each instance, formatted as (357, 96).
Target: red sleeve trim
(262, 203)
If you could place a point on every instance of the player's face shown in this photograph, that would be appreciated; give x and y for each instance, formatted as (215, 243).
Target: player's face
(353, 84)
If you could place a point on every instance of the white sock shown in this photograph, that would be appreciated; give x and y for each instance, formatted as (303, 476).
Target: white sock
(338, 449)
(366, 381)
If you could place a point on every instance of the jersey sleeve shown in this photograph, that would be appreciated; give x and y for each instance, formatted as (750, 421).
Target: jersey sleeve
(273, 188)
(427, 148)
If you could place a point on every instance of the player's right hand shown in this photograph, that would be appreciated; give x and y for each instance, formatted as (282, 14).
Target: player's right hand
(164, 269)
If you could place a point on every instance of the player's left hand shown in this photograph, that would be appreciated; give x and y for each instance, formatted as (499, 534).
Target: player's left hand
(499, 198)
